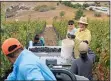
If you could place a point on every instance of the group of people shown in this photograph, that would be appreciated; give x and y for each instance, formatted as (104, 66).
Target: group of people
(84, 58)
(27, 66)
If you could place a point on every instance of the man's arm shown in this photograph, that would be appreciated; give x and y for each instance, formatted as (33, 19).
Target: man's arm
(91, 53)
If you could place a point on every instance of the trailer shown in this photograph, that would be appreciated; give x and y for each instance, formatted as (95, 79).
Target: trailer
(51, 56)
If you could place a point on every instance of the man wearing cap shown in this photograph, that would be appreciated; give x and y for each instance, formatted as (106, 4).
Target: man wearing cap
(83, 66)
(26, 66)
(82, 34)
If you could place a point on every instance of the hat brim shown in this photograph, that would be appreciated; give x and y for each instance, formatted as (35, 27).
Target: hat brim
(82, 52)
(82, 22)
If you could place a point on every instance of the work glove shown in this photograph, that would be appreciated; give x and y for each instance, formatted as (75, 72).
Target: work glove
(86, 41)
(71, 36)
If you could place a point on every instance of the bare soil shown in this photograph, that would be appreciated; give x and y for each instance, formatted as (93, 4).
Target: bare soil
(49, 15)
(50, 36)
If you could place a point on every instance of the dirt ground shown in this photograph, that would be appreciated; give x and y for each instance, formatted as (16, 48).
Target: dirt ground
(50, 36)
(49, 15)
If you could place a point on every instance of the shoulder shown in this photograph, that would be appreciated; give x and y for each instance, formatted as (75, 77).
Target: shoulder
(75, 61)
(77, 30)
(91, 57)
(26, 67)
(87, 30)
(29, 59)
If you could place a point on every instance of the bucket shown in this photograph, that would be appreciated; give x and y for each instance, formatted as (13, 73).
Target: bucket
(67, 48)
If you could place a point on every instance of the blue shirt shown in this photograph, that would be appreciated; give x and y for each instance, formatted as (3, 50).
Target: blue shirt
(29, 67)
(72, 32)
(42, 40)
(40, 43)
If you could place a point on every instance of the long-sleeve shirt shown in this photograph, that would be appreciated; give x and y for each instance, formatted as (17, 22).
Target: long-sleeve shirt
(81, 68)
(29, 67)
(91, 55)
(81, 36)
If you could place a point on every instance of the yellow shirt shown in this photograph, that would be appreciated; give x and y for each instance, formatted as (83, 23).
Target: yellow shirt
(80, 36)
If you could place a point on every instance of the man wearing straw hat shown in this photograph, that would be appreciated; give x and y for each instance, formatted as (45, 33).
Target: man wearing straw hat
(82, 34)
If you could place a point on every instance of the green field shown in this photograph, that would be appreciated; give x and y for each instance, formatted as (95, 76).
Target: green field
(23, 31)
(100, 43)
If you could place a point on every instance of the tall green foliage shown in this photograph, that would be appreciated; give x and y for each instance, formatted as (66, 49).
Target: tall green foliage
(62, 13)
(100, 44)
(23, 31)
(2, 12)
(79, 13)
(60, 28)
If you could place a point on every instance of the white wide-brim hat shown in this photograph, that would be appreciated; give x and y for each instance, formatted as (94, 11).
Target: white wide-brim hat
(83, 20)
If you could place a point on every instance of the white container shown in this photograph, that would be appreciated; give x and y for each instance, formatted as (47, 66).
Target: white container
(30, 43)
(67, 48)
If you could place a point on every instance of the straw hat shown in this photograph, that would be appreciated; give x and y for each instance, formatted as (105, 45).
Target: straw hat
(83, 20)
(83, 47)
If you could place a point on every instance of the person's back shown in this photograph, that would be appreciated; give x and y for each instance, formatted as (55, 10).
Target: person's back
(84, 68)
(30, 66)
